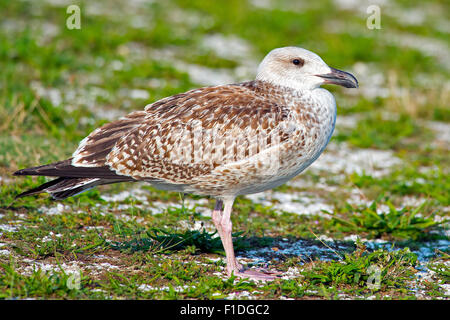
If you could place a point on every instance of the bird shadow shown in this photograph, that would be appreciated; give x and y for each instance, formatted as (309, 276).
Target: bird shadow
(260, 249)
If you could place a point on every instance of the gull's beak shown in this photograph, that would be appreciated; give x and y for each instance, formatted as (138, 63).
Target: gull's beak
(340, 78)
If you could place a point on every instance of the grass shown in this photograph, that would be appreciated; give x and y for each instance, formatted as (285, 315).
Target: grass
(352, 275)
(38, 283)
(400, 224)
(432, 185)
(441, 268)
(375, 271)
(376, 132)
(157, 240)
(57, 85)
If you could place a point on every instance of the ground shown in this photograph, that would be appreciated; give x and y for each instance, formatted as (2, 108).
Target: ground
(368, 220)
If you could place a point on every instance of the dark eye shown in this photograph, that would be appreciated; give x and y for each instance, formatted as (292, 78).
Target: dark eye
(298, 62)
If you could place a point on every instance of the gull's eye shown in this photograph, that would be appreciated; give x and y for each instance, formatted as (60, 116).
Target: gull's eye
(298, 62)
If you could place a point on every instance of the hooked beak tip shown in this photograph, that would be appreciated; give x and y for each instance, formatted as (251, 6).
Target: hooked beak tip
(341, 78)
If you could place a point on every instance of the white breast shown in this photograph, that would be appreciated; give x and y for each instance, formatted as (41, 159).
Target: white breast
(292, 158)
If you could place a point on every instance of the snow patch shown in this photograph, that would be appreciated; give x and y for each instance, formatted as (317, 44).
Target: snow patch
(301, 203)
(227, 47)
(341, 159)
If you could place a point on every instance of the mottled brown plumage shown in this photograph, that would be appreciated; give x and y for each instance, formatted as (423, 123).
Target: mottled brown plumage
(191, 139)
(220, 141)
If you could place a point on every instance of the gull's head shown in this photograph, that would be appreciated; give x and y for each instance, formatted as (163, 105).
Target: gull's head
(301, 69)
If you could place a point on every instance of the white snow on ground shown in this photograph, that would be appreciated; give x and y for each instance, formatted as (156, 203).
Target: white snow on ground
(291, 273)
(435, 48)
(409, 16)
(188, 19)
(70, 267)
(293, 202)
(424, 253)
(300, 182)
(198, 226)
(341, 159)
(286, 5)
(426, 275)
(302, 248)
(205, 76)
(47, 32)
(347, 121)
(100, 267)
(338, 161)
(262, 4)
(4, 252)
(326, 250)
(228, 47)
(329, 249)
(136, 193)
(372, 82)
(357, 198)
(58, 209)
(147, 288)
(7, 228)
(52, 94)
(358, 5)
(233, 48)
(134, 94)
(71, 98)
(161, 207)
(185, 288)
(239, 295)
(51, 236)
(441, 131)
(156, 207)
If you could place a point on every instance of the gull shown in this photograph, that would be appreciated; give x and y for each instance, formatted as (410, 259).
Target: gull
(218, 141)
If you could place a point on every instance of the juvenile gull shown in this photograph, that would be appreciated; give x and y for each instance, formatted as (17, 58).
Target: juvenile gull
(221, 141)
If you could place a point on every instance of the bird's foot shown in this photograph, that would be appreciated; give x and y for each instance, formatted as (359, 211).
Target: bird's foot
(257, 274)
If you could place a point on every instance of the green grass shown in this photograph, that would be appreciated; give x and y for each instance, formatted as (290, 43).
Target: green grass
(375, 271)
(433, 185)
(441, 268)
(157, 241)
(57, 85)
(375, 132)
(397, 224)
(38, 284)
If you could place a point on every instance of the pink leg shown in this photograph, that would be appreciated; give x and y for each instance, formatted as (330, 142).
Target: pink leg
(224, 227)
(217, 219)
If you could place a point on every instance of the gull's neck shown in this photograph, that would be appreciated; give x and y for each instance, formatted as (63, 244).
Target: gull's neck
(286, 89)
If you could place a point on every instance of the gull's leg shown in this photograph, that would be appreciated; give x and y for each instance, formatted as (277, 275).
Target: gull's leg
(217, 220)
(224, 227)
(217, 216)
(227, 239)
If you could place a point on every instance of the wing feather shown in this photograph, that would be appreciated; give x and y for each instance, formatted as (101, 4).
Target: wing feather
(191, 134)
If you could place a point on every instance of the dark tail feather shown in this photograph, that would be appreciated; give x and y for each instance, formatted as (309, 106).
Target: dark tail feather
(71, 180)
(64, 187)
(69, 193)
(40, 189)
(66, 169)
(72, 186)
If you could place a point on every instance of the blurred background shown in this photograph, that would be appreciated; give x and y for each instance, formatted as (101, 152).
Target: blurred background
(384, 176)
(127, 54)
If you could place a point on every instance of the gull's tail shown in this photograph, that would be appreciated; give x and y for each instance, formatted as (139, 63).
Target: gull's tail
(71, 179)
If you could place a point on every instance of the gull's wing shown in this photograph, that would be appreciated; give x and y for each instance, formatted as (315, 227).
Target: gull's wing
(188, 135)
